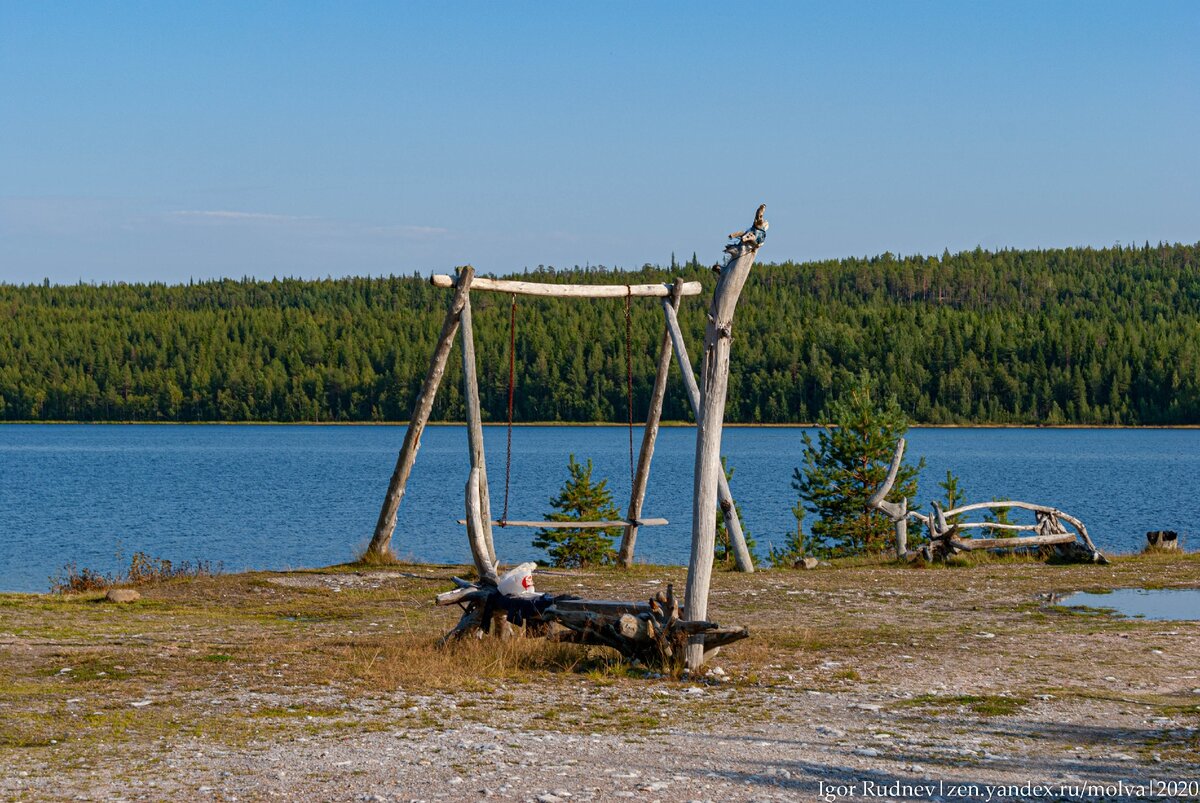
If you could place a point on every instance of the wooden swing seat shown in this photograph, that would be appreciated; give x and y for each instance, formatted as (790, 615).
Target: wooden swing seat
(580, 525)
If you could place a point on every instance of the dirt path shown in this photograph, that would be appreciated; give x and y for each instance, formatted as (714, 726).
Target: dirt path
(859, 683)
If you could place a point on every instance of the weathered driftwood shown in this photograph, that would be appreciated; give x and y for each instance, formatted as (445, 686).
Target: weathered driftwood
(649, 434)
(382, 538)
(485, 564)
(475, 422)
(581, 525)
(945, 538)
(654, 632)
(714, 380)
(896, 511)
(569, 290)
(656, 635)
(733, 525)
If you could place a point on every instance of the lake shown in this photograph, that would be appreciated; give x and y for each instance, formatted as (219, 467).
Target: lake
(277, 497)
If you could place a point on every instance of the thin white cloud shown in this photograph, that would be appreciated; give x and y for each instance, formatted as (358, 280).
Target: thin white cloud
(234, 215)
(408, 231)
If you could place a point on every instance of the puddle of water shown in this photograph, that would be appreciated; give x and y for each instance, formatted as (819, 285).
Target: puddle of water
(1164, 604)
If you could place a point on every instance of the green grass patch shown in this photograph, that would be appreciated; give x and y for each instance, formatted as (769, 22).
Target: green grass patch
(985, 705)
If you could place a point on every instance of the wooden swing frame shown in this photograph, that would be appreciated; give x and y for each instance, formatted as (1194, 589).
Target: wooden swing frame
(459, 320)
(710, 488)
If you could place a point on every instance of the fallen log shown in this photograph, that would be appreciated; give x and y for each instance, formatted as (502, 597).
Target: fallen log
(652, 632)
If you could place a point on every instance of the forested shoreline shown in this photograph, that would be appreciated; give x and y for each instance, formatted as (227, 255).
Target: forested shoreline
(1067, 336)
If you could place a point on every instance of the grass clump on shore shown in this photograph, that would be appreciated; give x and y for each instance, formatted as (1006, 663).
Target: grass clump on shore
(143, 570)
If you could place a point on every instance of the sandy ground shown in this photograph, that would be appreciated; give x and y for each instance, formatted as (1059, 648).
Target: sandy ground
(860, 683)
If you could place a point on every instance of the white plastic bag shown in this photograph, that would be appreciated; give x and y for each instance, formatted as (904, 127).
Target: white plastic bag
(518, 581)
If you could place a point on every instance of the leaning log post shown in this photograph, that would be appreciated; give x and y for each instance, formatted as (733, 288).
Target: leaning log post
(381, 540)
(649, 434)
(896, 511)
(475, 420)
(714, 377)
(484, 564)
(741, 552)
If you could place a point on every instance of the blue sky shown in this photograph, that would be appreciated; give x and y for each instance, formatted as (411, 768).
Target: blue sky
(162, 141)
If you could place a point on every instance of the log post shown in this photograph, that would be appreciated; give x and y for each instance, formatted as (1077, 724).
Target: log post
(896, 511)
(741, 552)
(381, 540)
(484, 565)
(474, 416)
(714, 377)
(638, 494)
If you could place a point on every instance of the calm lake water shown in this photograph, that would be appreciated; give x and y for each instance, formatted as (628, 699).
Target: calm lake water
(297, 496)
(1163, 604)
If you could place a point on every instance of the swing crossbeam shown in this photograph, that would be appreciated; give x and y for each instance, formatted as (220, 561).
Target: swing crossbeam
(568, 290)
(579, 525)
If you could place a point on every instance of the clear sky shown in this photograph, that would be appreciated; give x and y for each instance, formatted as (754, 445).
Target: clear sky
(168, 140)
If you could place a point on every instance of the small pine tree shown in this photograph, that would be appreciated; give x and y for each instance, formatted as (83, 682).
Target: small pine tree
(798, 544)
(723, 547)
(580, 499)
(845, 467)
(954, 496)
(1000, 515)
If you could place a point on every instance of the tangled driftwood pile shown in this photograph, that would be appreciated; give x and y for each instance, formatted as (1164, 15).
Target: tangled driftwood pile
(1048, 530)
(654, 632)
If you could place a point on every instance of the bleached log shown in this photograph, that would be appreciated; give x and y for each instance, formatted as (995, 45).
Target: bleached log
(733, 524)
(879, 500)
(716, 639)
(944, 537)
(603, 606)
(578, 525)
(1069, 519)
(471, 624)
(969, 544)
(634, 628)
(649, 434)
(457, 595)
(896, 511)
(714, 378)
(479, 551)
(475, 422)
(570, 290)
(386, 524)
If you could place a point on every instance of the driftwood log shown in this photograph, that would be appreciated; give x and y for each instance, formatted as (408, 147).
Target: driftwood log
(654, 632)
(946, 539)
(381, 540)
(568, 290)
(710, 419)
(641, 478)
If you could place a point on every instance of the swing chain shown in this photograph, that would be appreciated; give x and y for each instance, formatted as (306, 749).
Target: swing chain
(512, 377)
(629, 373)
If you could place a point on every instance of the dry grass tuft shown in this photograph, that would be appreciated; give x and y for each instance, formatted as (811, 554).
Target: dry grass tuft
(413, 660)
(365, 556)
(143, 570)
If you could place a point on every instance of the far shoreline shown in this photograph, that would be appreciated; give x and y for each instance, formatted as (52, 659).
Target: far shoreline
(564, 424)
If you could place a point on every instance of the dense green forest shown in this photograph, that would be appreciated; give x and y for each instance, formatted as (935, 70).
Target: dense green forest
(1088, 336)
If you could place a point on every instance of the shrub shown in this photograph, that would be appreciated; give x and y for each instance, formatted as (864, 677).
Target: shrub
(580, 499)
(844, 468)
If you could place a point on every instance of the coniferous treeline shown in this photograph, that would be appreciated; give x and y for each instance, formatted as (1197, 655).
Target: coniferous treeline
(1089, 336)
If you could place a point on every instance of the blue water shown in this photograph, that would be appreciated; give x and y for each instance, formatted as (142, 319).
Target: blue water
(297, 496)
(1165, 604)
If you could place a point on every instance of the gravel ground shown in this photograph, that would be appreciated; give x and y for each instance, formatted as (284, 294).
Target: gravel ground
(876, 683)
